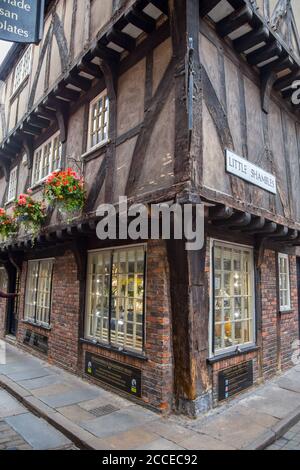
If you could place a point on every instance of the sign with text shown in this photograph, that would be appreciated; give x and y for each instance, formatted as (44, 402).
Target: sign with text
(234, 380)
(246, 170)
(121, 376)
(21, 20)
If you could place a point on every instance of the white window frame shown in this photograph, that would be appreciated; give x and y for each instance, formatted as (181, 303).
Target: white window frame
(33, 317)
(245, 346)
(42, 148)
(285, 257)
(91, 147)
(12, 185)
(24, 64)
(87, 317)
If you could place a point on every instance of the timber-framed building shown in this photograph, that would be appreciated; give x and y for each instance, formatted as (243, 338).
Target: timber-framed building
(183, 101)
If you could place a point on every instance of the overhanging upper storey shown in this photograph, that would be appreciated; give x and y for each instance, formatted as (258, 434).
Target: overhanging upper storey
(265, 33)
(107, 51)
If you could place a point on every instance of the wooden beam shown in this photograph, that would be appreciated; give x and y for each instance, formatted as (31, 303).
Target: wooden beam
(272, 49)
(38, 121)
(65, 94)
(252, 39)
(207, 5)
(76, 80)
(89, 68)
(141, 20)
(234, 21)
(28, 129)
(121, 39)
(45, 113)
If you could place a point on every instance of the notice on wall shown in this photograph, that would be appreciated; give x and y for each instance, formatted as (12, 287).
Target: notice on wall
(234, 380)
(121, 376)
(21, 20)
(36, 341)
(246, 170)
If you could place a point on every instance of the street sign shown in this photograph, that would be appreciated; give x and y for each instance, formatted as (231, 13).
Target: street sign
(21, 20)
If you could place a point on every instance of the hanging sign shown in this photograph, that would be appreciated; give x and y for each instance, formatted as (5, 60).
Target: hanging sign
(21, 20)
(246, 170)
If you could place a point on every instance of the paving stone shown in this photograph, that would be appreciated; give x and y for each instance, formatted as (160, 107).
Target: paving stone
(40, 382)
(203, 442)
(9, 406)
(161, 444)
(39, 434)
(130, 440)
(49, 390)
(172, 432)
(75, 413)
(29, 374)
(69, 398)
(119, 421)
(238, 431)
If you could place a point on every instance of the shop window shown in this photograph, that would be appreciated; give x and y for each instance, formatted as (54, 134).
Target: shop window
(22, 69)
(115, 297)
(12, 185)
(284, 282)
(98, 121)
(47, 158)
(233, 297)
(38, 292)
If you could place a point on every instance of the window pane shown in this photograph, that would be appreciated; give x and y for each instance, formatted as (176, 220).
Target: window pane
(99, 115)
(123, 283)
(284, 282)
(233, 290)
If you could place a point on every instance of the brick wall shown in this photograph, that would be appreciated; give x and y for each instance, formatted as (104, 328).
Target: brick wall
(278, 332)
(157, 382)
(63, 336)
(269, 315)
(65, 349)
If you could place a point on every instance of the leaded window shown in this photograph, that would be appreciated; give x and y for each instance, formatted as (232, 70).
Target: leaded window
(233, 289)
(22, 69)
(98, 121)
(47, 158)
(115, 297)
(38, 292)
(284, 282)
(12, 186)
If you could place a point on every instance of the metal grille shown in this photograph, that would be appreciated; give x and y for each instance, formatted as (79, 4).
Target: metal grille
(103, 410)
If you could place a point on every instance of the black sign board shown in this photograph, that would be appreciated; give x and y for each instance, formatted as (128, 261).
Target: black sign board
(21, 20)
(118, 375)
(235, 380)
(36, 341)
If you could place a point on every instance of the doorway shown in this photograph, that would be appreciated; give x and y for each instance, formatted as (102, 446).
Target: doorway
(12, 304)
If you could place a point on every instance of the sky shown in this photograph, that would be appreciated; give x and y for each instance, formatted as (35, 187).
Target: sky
(4, 47)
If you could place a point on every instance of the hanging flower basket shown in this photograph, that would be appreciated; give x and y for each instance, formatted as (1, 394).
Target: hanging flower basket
(8, 226)
(29, 213)
(65, 189)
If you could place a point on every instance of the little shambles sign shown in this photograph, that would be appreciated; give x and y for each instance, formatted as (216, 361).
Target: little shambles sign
(21, 20)
(246, 170)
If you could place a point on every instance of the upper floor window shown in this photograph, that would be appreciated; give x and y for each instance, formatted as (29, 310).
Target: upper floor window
(12, 186)
(98, 121)
(47, 158)
(38, 291)
(233, 297)
(22, 69)
(115, 297)
(284, 282)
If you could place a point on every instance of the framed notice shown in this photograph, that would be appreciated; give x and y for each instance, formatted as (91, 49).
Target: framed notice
(116, 374)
